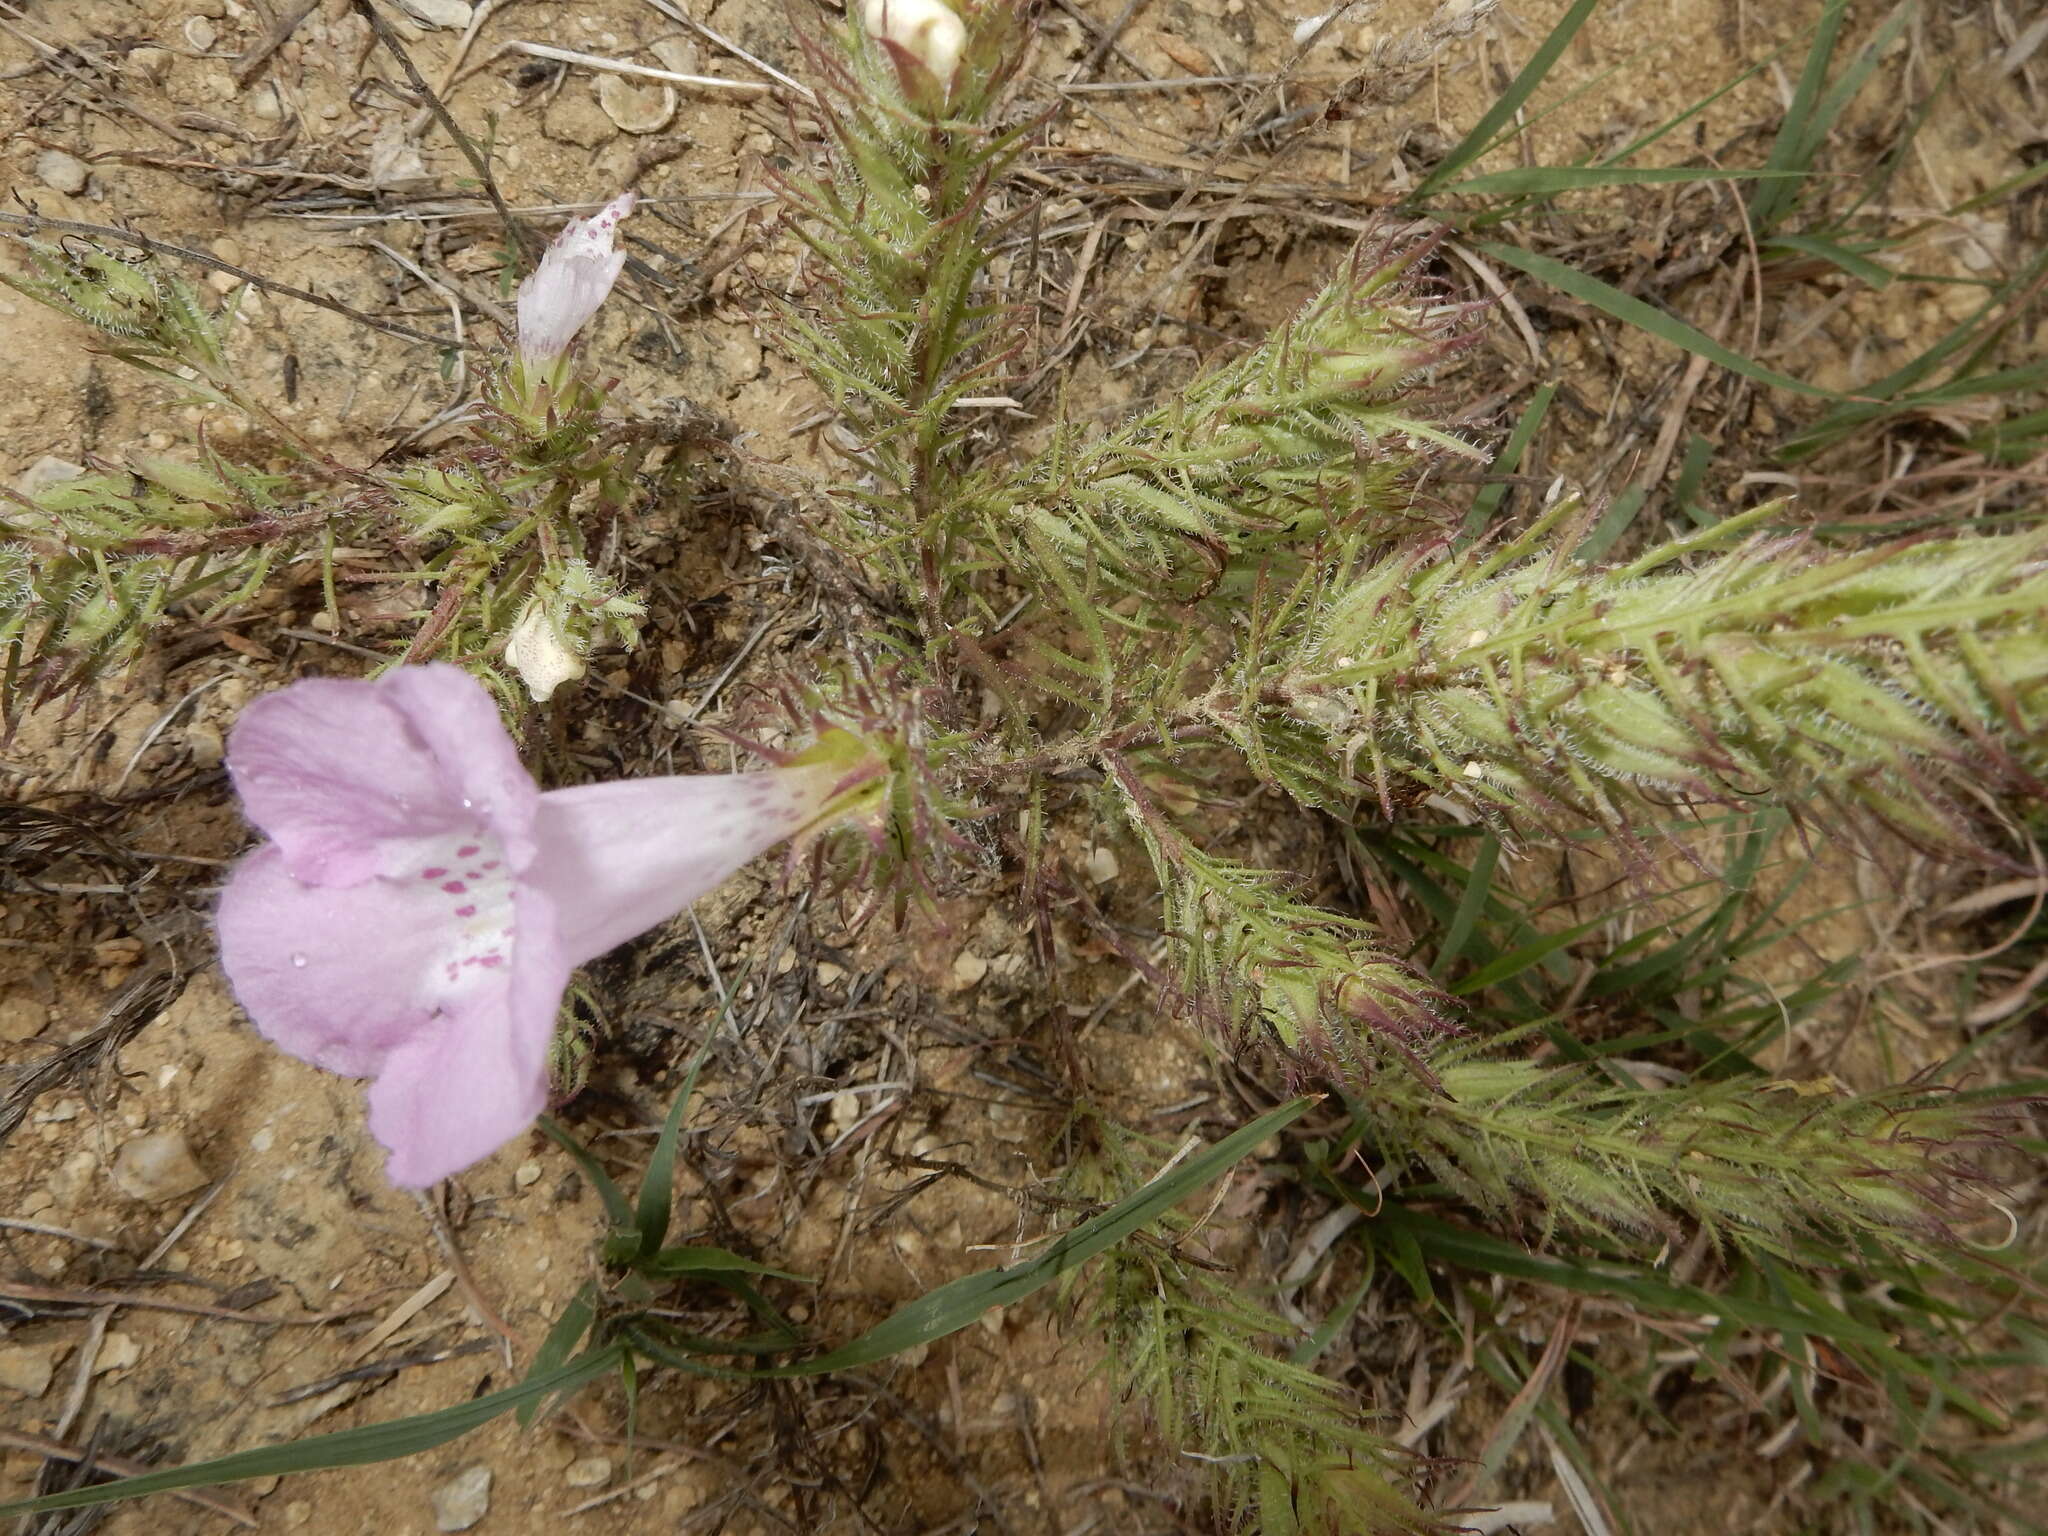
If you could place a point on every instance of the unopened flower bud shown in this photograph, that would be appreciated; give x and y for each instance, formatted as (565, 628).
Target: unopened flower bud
(930, 32)
(540, 654)
(573, 277)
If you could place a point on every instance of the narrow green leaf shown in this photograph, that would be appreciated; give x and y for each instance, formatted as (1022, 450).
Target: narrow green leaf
(710, 1261)
(1614, 522)
(1849, 84)
(1470, 905)
(657, 1186)
(568, 1331)
(618, 1211)
(1646, 317)
(1467, 1249)
(1310, 1349)
(1797, 139)
(344, 1448)
(1549, 180)
(1516, 961)
(1484, 133)
(1692, 473)
(957, 1304)
(1490, 496)
(1855, 264)
(1671, 124)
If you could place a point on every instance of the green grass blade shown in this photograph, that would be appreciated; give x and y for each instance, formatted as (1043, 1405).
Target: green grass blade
(344, 1448)
(1794, 147)
(670, 1263)
(958, 1303)
(617, 1209)
(1636, 146)
(1646, 317)
(657, 1186)
(1310, 1349)
(1470, 905)
(568, 1331)
(1475, 1251)
(1692, 474)
(1877, 400)
(1516, 961)
(1549, 180)
(1485, 132)
(1852, 80)
(1836, 254)
(1490, 496)
(1614, 522)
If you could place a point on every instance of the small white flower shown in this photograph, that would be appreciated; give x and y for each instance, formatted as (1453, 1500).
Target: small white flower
(570, 283)
(928, 31)
(539, 655)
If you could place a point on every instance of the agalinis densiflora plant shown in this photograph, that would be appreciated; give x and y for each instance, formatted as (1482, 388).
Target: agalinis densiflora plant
(420, 903)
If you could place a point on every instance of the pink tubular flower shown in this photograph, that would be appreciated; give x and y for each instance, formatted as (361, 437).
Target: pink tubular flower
(420, 904)
(573, 277)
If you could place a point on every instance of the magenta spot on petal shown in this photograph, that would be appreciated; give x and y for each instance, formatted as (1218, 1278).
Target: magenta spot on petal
(432, 874)
(465, 911)
(492, 864)
(490, 960)
(473, 874)
(467, 850)
(453, 887)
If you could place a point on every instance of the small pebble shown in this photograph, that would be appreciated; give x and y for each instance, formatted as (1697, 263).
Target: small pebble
(47, 471)
(200, 34)
(463, 1500)
(845, 1111)
(590, 1472)
(61, 172)
(439, 13)
(153, 64)
(680, 54)
(526, 1175)
(22, 1018)
(118, 1351)
(969, 969)
(27, 1368)
(157, 1167)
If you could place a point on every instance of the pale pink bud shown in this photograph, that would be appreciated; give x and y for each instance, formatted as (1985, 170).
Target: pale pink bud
(573, 277)
(928, 31)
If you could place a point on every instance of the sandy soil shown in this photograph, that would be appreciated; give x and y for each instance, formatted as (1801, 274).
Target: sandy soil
(861, 1069)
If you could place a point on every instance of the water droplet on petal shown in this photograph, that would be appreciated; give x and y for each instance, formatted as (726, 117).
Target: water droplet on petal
(299, 961)
(468, 804)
